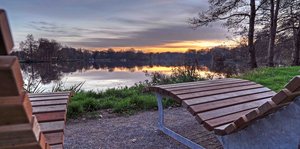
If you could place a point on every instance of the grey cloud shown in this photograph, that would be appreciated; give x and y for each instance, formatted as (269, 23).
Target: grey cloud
(55, 30)
(48, 29)
(113, 23)
(156, 36)
(133, 21)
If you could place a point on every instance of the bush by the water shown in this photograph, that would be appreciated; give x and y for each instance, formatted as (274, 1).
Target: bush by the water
(179, 75)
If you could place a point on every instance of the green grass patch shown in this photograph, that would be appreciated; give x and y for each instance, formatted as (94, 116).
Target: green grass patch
(273, 78)
(125, 100)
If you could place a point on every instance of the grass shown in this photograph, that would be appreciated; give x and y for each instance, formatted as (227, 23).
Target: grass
(125, 100)
(273, 78)
(129, 100)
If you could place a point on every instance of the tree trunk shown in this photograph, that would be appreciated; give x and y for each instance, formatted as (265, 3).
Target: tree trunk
(271, 36)
(272, 33)
(251, 47)
(296, 46)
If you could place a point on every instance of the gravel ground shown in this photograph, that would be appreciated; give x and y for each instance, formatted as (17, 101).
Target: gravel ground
(137, 131)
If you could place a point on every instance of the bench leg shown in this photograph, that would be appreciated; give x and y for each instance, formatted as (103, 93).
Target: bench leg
(168, 131)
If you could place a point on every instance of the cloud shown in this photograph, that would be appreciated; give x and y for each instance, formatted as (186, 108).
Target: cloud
(110, 23)
(156, 36)
(49, 29)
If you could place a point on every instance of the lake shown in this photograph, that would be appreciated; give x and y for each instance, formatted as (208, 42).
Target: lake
(101, 76)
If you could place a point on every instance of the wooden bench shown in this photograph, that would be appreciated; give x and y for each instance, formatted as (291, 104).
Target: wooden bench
(27, 121)
(228, 107)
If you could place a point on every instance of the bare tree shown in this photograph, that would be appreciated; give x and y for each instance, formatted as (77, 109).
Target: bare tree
(29, 46)
(237, 14)
(289, 25)
(251, 47)
(296, 31)
(296, 44)
(274, 9)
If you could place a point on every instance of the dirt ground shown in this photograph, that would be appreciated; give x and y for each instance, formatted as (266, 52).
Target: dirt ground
(136, 131)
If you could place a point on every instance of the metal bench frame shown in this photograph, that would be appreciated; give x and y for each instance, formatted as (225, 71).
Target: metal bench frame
(169, 132)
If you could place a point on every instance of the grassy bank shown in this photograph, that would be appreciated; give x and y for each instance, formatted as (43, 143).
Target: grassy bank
(273, 78)
(125, 100)
(131, 99)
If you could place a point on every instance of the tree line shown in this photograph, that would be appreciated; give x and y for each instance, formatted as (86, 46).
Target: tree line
(252, 20)
(47, 50)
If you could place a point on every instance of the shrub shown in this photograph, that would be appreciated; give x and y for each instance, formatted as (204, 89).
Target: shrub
(179, 75)
(74, 109)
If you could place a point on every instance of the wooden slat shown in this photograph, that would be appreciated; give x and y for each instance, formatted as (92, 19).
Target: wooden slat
(51, 116)
(49, 103)
(49, 98)
(46, 109)
(54, 138)
(232, 109)
(206, 99)
(228, 102)
(56, 126)
(58, 146)
(36, 127)
(211, 124)
(50, 94)
(11, 77)
(38, 134)
(285, 96)
(220, 91)
(224, 129)
(209, 88)
(206, 85)
(280, 97)
(33, 145)
(6, 41)
(168, 86)
(294, 84)
(13, 100)
(43, 143)
(16, 134)
(15, 110)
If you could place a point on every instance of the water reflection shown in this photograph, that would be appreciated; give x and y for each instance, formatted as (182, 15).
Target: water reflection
(103, 75)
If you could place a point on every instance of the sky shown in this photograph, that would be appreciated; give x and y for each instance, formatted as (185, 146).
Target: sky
(147, 25)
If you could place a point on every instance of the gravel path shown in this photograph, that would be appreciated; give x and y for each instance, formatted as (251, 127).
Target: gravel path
(137, 131)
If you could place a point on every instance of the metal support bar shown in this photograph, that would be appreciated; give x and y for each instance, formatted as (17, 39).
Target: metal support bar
(168, 131)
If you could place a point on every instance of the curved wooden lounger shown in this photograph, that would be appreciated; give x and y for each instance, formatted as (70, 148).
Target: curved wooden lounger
(226, 106)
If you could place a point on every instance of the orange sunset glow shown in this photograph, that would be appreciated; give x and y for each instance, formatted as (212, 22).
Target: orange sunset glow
(181, 46)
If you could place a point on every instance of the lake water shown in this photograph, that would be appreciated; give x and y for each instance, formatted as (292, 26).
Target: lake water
(97, 77)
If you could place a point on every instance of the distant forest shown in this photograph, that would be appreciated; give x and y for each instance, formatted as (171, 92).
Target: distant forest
(46, 50)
